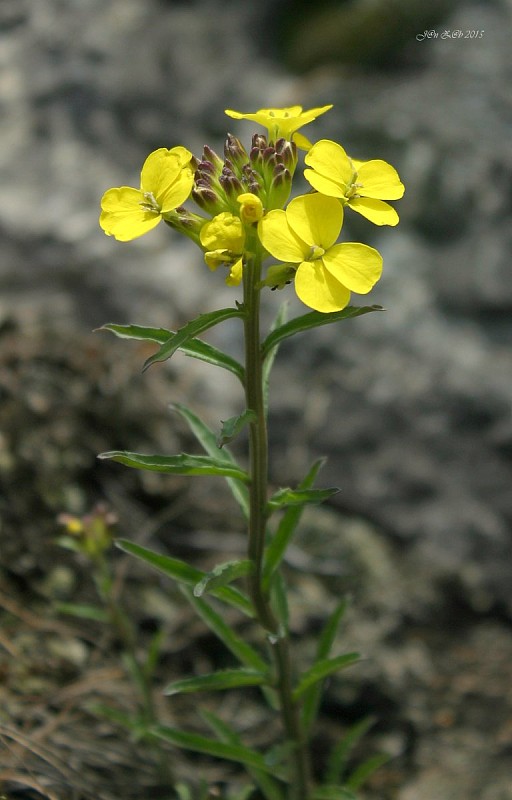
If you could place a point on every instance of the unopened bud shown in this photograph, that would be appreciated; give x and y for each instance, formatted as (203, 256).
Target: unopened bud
(280, 187)
(235, 152)
(230, 183)
(259, 141)
(287, 154)
(205, 197)
(211, 156)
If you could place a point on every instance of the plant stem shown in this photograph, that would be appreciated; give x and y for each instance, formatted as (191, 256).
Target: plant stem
(258, 454)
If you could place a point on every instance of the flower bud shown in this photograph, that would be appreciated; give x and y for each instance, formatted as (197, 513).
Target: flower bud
(206, 198)
(287, 154)
(211, 156)
(259, 141)
(251, 208)
(235, 153)
(280, 187)
(230, 183)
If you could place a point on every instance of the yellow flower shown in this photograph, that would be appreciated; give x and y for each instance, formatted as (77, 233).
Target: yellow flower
(223, 239)
(282, 122)
(165, 183)
(305, 234)
(363, 185)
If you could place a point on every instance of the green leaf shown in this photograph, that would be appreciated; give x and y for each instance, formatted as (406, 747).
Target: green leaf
(211, 747)
(208, 440)
(330, 792)
(341, 751)
(299, 497)
(287, 526)
(195, 348)
(322, 669)
(238, 646)
(279, 599)
(183, 464)
(140, 333)
(234, 425)
(312, 696)
(83, 611)
(312, 320)
(216, 681)
(268, 360)
(225, 733)
(222, 575)
(184, 574)
(364, 770)
(189, 331)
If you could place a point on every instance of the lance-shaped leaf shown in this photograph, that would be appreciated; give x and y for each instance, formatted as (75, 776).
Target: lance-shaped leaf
(234, 425)
(342, 750)
(212, 747)
(267, 784)
(183, 464)
(311, 700)
(363, 771)
(299, 497)
(312, 320)
(195, 348)
(286, 528)
(208, 440)
(321, 670)
(238, 646)
(184, 574)
(222, 575)
(83, 611)
(216, 681)
(184, 335)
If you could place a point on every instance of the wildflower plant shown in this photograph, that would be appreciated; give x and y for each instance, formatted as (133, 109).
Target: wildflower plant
(248, 227)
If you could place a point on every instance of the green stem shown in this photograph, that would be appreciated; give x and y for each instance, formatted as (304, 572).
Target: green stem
(258, 454)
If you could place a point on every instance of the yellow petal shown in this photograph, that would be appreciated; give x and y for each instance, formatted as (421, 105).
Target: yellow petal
(318, 289)
(235, 273)
(217, 258)
(177, 192)
(167, 176)
(223, 232)
(327, 186)
(278, 238)
(331, 163)
(377, 211)
(302, 141)
(316, 219)
(356, 266)
(123, 217)
(379, 180)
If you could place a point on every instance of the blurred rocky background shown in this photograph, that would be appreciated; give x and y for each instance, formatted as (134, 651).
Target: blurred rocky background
(412, 406)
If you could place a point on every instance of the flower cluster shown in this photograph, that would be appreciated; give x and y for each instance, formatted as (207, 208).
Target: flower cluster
(245, 195)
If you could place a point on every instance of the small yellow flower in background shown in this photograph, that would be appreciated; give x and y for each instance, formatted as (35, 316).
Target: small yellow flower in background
(165, 183)
(223, 239)
(251, 207)
(362, 185)
(305, 234)
(282, 122)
